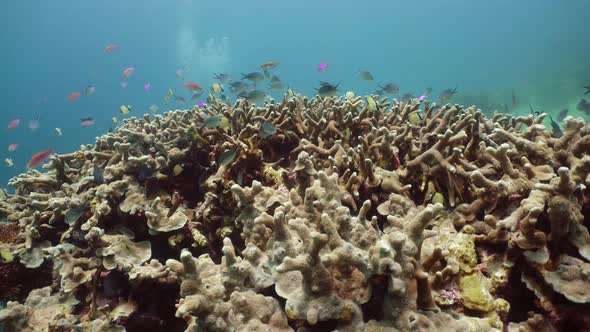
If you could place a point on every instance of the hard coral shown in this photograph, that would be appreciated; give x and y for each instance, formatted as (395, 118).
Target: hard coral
(341, 217)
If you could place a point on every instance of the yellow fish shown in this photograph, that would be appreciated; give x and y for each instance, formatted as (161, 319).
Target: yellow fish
(433, 196)
(115, 120)
(125, 109)
(216, 88)
(349, 95)
(415, 118)
(8, 162)
(371, 104)
(177, 169)
(57, 131)
(170, 93)
(6, 255)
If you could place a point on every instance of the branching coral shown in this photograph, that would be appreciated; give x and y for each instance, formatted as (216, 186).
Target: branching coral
(413, 217)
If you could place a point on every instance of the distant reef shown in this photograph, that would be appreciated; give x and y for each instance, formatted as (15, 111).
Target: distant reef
(305, 214)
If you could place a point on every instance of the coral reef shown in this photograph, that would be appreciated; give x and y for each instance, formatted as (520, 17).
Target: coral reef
(305, 215)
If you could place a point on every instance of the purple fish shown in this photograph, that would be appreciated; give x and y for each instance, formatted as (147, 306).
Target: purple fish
(322, 67)
(147, 87)
(421, 98)
(202, 104)
(123, 84)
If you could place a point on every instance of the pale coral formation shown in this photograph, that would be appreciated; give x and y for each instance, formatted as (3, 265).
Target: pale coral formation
(343, 218)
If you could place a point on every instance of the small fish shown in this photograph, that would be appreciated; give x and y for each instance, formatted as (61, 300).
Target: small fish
(365, 75)
(154, 109)
(447, 94)
(227, 157)
(193, 86)
(57, 131)
(269, 65)
(13, 123)
(114, 119)
(562, 115)
(202, 104)
(179, 72)
(74, 96)
(180, 99)
(533, 112)
(225, 78)
(34, 124)
(98, 174)
(123, 84)
(216, 88)
(389, 88)
(216, 121)
(254, 77)
(196, 95)
(371, 104)
(86, 122)
(177, 169)
(145, 173)
(322, 67)
(277, 86)
(583, 106)
(128, 71)
(266, 74)
(170, 93)
(109, 48)
(275, 79)
(90, 90)
(255, 96)
(267, 129)
(6, 256)
(8, 162)
(514, 103)
(422, 97)
(349, 95)
(72, 215)
(147, 87)
(587, 87)
(124, 109)
(556, 130)
(506, 110)
(407, 97)
(38, 158)
(12, 147)
(415, 117)
(327, 89)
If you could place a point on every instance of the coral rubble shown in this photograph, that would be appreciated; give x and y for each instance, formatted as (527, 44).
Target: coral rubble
(305, 215)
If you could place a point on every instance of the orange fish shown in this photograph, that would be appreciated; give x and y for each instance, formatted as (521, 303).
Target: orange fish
(74, 96)
(127, 72)
(110, 48)
(269, 65)
(193, 86)
(38, 158)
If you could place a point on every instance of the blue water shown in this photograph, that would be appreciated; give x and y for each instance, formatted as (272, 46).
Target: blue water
(537, 48)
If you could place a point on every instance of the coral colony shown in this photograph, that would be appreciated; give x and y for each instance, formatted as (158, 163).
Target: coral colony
(305, 215)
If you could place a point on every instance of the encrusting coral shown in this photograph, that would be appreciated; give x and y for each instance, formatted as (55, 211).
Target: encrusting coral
(338, 217)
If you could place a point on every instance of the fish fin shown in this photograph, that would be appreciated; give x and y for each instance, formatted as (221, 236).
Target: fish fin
(380, 87)
(243, 76)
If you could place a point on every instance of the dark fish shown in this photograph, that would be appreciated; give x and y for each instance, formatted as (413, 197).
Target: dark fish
(506, 110)
(583, 106)
(255, 96)
(98, 174)
(556, 132)
(514, 103)
(180, 99)
(225, 78)
(266, 74)
(447, 94)
(587, 87)
(378, 92)
(228, 156)
(145, 173)
(365, 75)
(238, 87)
(196, 95)
(533, 112)
(275, 79)
(72, 215)
(267, 129)
(327, 89)
(276, 86)
(389, 88)
(562, 115)
(254, 77)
